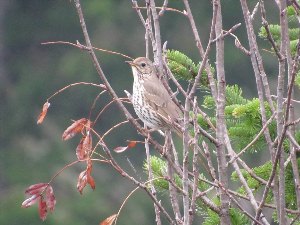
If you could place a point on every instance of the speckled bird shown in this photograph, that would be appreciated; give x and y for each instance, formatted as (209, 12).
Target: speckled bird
(151, 101)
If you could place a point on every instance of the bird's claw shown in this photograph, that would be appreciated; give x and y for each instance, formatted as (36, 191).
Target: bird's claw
(128, 95)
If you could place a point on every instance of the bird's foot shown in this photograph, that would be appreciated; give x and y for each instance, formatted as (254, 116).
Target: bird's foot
(129, 96)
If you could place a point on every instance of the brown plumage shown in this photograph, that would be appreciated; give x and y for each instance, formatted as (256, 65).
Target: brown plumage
(151, 101)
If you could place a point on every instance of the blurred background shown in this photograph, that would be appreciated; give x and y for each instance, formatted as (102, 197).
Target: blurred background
(31, 72)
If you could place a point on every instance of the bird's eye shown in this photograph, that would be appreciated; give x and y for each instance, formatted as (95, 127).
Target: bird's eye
(143, 64)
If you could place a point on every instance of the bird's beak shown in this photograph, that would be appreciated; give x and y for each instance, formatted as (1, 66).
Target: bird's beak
(130, 63)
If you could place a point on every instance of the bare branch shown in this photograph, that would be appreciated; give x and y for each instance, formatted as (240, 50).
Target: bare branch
(220, 115)
(266, 26)
(195, 164)
(254, 11)
(203, 54)
(150, 178)
(157, 50)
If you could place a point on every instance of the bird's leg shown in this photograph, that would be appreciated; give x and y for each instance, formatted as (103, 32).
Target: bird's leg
(149, 131)
(154, 129)
(167, 143)
(175, 94)
(128, 95)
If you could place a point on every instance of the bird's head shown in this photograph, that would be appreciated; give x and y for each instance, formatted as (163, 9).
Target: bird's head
(141, 65)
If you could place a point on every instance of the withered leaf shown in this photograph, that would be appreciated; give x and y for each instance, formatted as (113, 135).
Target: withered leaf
(82, 181)
(43, 113)
(50, 198)
(84, 147)
(80, 153)
(109, 220)
(85, 178)
(36, 188)
(90, 179)
(42, 209)
(88, 143)
(30, 201)
(75, 128)
(91, 182)
(120, 149)
(131, 144)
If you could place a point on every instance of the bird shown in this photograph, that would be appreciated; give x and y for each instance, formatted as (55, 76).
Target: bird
(151, 101)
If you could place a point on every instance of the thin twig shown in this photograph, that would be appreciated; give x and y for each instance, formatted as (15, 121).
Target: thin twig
(204, 55)
(238, 44)
(226, 33)
(163, 8)
(173, 189)
(75, 84)
(254, 140)
(269, 34)
(80, 46)
(254, 11)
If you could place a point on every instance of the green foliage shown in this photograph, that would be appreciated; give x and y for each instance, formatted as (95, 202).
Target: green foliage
(264, 172)
(291, 12)
(184, 68)
(211, 218)
(243, 117)
(275, 31)
(233, 96)
(297, 80)
(290, 195)
(159, 169)
(236, 217)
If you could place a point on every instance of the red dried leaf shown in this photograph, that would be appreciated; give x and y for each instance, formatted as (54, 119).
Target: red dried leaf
(50, 199)
(82, 181)
(120, 149)
(90, 179)
(131, 144)
(43, 113)
(88, 125)
(85, 178)
(91, 182)
(80, 152)
(75, 128)
(109, 220)
(36, 189)
(30, 201)
(84, 147)
(42, 209)
(88, 143)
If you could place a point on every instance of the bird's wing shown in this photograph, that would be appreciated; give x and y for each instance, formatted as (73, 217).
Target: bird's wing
(157, 96)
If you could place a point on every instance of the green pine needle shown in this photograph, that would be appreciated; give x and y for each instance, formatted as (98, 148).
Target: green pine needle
(184, 68)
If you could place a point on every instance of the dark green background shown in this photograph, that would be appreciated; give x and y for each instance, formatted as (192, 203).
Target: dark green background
(31, 72)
